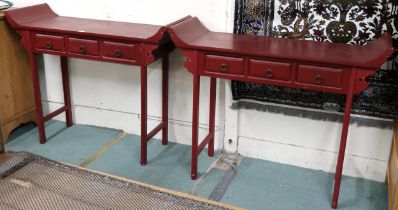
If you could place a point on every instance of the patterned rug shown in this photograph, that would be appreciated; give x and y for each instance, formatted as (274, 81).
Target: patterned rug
(344, 21)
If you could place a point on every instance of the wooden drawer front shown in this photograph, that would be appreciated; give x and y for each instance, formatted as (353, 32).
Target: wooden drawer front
(49, 42)
(321, 76)
(223, 64)
(83, 46)
(119, 51)
(270, 70)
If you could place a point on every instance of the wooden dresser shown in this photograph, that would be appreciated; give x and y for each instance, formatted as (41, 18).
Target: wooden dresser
(393, 172)
(16, 94)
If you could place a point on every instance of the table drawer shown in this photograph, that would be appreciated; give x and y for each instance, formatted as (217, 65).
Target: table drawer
(122, 51)
(270, 70)
(49, 42)
(223, 64)
(83, 46)
(322, 76)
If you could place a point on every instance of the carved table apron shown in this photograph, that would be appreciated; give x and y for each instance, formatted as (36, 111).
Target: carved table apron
(328, 67)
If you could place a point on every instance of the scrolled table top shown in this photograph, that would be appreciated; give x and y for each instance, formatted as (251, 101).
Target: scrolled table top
(192, 34)
(42, 18)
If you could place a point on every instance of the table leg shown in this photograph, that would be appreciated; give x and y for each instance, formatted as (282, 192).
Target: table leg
(212, 117)
(37, 93)
(165, 98)
(144, 112)
(195, 126)
(343, 142)
(66, 88)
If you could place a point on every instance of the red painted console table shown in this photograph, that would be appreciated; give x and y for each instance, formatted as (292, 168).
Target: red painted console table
(45, 32)
(328, 67)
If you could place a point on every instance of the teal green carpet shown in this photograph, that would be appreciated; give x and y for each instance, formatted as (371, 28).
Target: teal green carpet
(168, 166)
(72, 145)
(209, 182)
(258, 184)
(263, 184)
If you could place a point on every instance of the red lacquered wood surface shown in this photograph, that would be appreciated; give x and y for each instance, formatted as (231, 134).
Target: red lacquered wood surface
(42, 18)
(327, 67)
(43, 31)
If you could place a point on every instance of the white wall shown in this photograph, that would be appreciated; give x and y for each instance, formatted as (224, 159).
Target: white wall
(108, 95)
(314, 144)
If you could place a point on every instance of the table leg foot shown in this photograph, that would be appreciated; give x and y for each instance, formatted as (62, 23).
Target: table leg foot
(42, 133)
(143, 162)
(194, 176)
(334, 205)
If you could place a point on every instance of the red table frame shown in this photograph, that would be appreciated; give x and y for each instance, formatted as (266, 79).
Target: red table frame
(108, 41)
(327, 67)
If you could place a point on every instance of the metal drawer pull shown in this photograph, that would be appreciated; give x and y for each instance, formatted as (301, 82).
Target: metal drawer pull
(49, 46)
(318, 79)
(224, 67)
(117, 53)
(82, 49)
(269, 73)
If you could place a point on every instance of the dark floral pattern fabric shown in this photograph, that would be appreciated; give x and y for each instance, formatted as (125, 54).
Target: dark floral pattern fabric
(343, 21)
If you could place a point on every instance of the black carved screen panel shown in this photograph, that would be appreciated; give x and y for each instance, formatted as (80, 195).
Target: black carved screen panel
(344, 21)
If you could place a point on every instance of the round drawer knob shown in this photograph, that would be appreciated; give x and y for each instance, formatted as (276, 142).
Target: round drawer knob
(318, 79)
(49, 46)
(224, 67)
(83, 49)
(117, 53)
(269, 73)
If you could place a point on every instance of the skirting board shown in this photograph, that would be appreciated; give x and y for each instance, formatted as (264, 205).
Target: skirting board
(354, 166)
